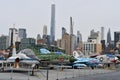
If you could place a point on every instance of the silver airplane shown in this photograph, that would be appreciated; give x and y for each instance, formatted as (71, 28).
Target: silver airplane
(20, 59)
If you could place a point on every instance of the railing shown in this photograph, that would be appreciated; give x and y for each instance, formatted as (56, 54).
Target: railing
(44, 73)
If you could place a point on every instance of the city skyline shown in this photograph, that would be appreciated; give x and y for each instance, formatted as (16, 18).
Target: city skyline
(87, 15)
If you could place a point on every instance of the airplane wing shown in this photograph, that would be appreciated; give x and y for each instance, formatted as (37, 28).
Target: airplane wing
(29, 61)
(22, 59)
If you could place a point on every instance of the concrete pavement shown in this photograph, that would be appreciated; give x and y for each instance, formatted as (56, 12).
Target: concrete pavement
(52, 74)
(106, 76)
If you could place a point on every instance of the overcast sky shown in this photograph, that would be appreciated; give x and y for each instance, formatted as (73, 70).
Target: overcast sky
(34, 14)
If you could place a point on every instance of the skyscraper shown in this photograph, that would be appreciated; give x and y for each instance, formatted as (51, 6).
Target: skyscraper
(13, 38)
(102, 39)
(102, 33)
(63, 31)
(116, 37)
(71, 26)
(79, 37)
(38, 36)
(72, 37)
(45, 30)
(52, 29)
(22, 33)
(79, 41)
(109, 36)
(11, 30)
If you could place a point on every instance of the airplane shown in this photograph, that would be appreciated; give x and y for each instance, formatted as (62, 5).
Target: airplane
(19, 58)
(107, 58)
(90, 62)
(81, 59)
(23, 58)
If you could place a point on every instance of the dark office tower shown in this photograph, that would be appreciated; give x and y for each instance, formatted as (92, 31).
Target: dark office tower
(45, 30)
(52, 29)
(102, 33)
(63, 31)
(109, 36)
(22, 33)
(79, 37)
(71, 26)
(116, 37)
(103, 45)
(102, 40)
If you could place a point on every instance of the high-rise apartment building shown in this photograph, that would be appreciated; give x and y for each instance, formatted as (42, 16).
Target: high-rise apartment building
(22, 33)
(79, 40)
(65, 43)
(102, 39)
(63, 31)
(102, 33)
(13, 40)
(73, 43)
(72, 47)
(109, 36)
(38, 36)
(4, 42)
(116, 37)
(16, 38)
(79, 37)
(44, 30)
(71, 26)
(52, 29)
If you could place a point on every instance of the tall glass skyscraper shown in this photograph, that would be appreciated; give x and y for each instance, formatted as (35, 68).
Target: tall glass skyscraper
(79, 37)
(52, 29)
(22, 33)
(109, 36)
(102, 39)
(116, 37)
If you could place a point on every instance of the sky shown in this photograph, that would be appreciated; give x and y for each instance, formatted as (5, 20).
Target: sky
(34, 14)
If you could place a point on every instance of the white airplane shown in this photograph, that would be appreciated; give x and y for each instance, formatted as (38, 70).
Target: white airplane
(20, 57)
(107, 58)
(23, 58)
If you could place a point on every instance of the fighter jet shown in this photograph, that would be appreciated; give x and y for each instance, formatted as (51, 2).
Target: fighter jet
(20, 57)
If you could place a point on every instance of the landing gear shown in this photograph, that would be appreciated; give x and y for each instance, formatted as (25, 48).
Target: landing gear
(92, 67)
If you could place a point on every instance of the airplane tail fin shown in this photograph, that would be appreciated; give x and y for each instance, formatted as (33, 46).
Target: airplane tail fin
(14, 47)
